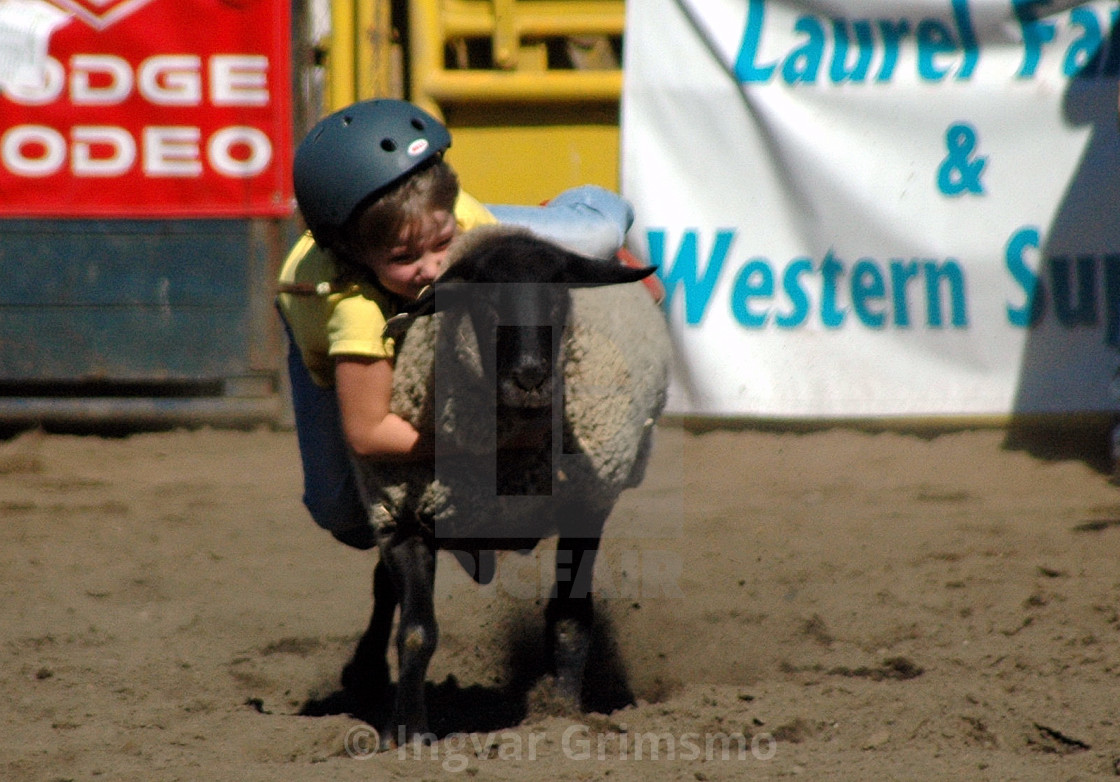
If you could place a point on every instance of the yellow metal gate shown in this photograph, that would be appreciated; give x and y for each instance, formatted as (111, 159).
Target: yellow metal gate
(529, 88)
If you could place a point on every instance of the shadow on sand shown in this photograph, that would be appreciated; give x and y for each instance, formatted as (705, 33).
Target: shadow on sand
(454, 708)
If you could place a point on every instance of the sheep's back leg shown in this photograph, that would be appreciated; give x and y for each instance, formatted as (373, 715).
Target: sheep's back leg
(412, 564)
(366, 677)
(569, 614)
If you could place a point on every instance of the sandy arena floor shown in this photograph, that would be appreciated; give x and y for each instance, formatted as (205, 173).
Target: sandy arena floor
(833, 605)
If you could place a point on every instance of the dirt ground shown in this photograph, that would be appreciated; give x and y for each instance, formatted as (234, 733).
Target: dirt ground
(836, 604)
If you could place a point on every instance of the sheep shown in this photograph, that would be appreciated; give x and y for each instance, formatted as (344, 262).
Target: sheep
(541, 376)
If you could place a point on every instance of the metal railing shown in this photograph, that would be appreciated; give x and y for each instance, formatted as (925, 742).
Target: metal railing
(517, 30)
(540, 80)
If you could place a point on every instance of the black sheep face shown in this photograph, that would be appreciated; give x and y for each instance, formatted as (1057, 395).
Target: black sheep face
(516, 288)
(519, 327)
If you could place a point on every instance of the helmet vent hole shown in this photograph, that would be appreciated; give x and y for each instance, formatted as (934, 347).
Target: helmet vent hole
(347, 120)
(388, 145)
(417, 123)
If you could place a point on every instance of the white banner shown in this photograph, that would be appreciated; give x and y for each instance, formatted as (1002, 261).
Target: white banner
(879, 207)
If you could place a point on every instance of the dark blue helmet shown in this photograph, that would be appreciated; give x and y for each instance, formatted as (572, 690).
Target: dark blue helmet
(358, 152)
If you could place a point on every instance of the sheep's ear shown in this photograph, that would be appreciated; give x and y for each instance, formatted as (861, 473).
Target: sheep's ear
(583, 272)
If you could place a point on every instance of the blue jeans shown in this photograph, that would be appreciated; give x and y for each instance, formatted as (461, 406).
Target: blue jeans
(588, 220)
(330, 489)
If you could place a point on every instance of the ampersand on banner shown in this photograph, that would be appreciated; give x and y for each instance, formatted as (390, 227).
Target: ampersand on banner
(960, 172)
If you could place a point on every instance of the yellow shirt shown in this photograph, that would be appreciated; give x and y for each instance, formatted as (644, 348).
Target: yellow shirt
(350, 322)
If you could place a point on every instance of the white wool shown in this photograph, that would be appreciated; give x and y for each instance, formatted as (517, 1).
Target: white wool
(616, 356)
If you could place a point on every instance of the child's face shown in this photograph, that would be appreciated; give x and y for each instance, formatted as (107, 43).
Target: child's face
(411, 263)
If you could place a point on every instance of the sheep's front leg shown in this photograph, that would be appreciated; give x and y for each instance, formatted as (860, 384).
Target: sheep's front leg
(412, 563)
(569, 614)
(366, 677)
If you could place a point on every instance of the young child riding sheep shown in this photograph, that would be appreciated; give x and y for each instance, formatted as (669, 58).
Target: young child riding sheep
(382, 206)
(524, 435)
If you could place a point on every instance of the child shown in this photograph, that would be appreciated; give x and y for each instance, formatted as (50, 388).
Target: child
(382, 207)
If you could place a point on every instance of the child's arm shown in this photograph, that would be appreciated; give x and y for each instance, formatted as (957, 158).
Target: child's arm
(364, 387)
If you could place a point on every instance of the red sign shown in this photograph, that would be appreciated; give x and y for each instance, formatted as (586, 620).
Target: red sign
(137, 108)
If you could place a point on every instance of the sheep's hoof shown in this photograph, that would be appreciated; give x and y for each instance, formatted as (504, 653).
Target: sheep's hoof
(546, 700)
(569, 689)
(570, 639)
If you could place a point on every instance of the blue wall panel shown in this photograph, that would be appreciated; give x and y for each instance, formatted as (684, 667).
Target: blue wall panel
(128, 300)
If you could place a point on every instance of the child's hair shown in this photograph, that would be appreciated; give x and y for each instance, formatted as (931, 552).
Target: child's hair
(380, 222)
